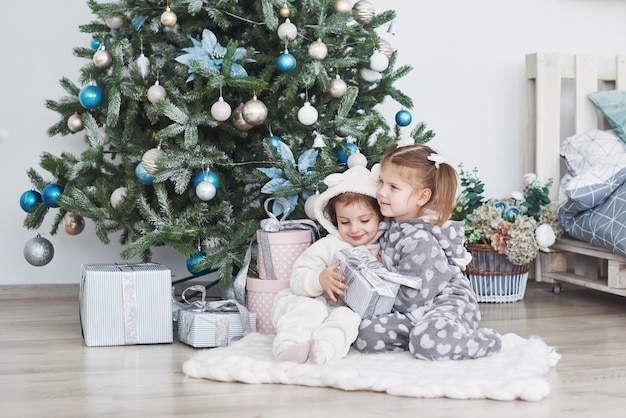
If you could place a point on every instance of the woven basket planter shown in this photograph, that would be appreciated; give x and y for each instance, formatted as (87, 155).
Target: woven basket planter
(493, 277)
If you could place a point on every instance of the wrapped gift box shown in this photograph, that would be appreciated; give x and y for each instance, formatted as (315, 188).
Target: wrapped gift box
(214, 324)
(260, 298)
(126, 304)
(368, 294)
(277, 251)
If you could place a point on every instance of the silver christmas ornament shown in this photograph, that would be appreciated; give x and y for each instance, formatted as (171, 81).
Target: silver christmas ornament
(337, 88)
(342, 6)
(205, 190)
(38, 251)
(149, 160)
(143, 65)
(238, 120)
(254, 112)
(318, 50)
(75, 123)
(365, 11)
(117, 196)
(168, 17)
(102, 58)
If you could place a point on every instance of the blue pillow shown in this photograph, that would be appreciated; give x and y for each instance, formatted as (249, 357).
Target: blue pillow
(612, 105)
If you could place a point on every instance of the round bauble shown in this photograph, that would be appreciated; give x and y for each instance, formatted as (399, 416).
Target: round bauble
(73, 224)
(342, 6)
(309, 206)
(150, 158)
(370, 76)
(156, 92)
(143, 65)
(50, 193)
(238, 120)
(205, 190)
(307, 115)
(364, 11)
(90, 97)
(344, 151)
(94, 44)
(404, 118)
(284, 11)
(38, 251)
(142, 175)
(75, 123)
(168, 18)
(357, 159)
(318, 50)
(274, 141)
(206, 175)
(102, 58)
(337, 88)
(29, 199)
(254, 112)
(379, 61)
(103, 136)
(192, 264)
(114, 22)
(287, 30)
(117, 196)
(286, 62)
(221, 110)
(385, 47)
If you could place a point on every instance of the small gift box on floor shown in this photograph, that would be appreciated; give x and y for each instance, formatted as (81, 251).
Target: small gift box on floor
(372, 289)
(126, 304)
(260, 299)
(205, 324)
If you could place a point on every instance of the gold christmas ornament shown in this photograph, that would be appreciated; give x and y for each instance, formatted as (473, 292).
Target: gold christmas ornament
(73, 224)
(364, 11)
(168, 17)
(342, 6)
(337, 88)
(254, 112)
(149, 159)
(318, 50)
(284, 11)
(75, 123)
(102, 58)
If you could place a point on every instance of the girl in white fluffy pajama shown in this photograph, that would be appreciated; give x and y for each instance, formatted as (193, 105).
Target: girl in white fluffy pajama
(311, 323)
(417, 191)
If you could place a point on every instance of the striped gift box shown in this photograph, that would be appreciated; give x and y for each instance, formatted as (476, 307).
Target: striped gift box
(125, 304)
(211, 329)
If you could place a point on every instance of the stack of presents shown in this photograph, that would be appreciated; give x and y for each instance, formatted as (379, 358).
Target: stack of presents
(127, 304)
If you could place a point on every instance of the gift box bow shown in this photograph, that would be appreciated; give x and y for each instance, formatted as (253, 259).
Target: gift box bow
(364, 262)
(274, 224)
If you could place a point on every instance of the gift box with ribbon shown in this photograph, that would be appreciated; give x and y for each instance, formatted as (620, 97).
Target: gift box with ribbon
(372, 289)
(125, 304)
(203, 324)
(260, 299)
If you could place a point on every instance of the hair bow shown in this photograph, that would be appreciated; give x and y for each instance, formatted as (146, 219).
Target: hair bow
(437, 159)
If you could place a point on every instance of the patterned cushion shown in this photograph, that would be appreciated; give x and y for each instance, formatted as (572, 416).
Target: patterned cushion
(582, 151)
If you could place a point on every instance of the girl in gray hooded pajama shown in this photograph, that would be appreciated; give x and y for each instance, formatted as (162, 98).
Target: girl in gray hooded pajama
(417, 190)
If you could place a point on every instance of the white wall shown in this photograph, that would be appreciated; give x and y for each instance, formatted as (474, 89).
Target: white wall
(467, 85)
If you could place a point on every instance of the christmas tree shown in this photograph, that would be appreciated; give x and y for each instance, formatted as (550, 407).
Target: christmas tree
(195, 112)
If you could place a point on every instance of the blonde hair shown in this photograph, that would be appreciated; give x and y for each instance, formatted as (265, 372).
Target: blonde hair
(421, 172)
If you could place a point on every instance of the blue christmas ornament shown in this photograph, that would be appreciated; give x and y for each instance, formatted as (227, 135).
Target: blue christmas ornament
(286, 62)
(404, 118)
(192, 264)
(206, 175)
(142, 175)
(90, 97)
(275, 142)
(50, 193)
(29, 200)
(94, 44)
(342, 157)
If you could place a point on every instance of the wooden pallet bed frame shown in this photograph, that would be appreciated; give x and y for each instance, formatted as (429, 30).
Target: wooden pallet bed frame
(550, 77)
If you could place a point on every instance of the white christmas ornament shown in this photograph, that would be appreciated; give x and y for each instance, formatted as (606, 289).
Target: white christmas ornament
(342, 6)
(318, 50)
(149, 160)
(156, 92)
(379, 61)
(356, 158)
(221, 110)
(370, 76)
(143, 65)
(309, 206)
(318, 142)
(337, 88)
(117, 196)
(307, 115)
(205, 190)
(287, 30)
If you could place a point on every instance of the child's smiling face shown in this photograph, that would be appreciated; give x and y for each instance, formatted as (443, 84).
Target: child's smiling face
(357, 222)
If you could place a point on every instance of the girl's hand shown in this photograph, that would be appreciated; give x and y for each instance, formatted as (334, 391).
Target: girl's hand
(332, 282)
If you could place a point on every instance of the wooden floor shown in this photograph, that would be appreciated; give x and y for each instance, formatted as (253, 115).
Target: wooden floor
(46, 371)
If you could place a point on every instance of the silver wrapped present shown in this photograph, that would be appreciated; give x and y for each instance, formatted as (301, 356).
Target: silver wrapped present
(372, 289)
(125, 304)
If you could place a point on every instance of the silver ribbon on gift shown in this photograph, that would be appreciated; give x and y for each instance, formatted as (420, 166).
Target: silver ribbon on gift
(129, 297)
(362, 260)
(271, 224)
(220, 306)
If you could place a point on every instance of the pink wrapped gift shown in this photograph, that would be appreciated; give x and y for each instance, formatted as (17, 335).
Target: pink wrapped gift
(260, 298)
(279, 250)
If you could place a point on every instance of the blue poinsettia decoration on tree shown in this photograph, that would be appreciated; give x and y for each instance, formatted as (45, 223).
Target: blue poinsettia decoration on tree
(277, 176)
(210, 52)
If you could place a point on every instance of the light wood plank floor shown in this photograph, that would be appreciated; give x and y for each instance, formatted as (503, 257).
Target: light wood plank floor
(46, 371)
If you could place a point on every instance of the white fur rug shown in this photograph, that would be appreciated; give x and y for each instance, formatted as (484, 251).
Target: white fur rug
(516, 374)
